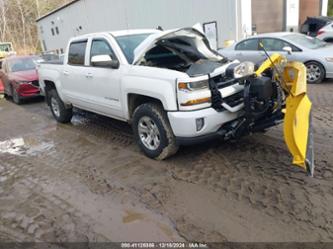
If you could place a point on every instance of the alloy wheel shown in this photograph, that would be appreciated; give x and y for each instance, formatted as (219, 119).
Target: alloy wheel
(149, 133)
(313, 73)
(55, 107)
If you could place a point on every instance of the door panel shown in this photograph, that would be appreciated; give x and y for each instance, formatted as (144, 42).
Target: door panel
(103, 84)
(72, 76)
(248, 50)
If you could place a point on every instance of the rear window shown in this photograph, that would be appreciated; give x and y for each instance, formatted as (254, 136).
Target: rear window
(77, 53)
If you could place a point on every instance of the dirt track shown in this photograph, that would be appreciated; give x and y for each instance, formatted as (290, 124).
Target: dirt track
(88, 182)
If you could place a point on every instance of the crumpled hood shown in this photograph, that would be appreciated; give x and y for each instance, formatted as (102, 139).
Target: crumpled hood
(30, 75)
(200, 42)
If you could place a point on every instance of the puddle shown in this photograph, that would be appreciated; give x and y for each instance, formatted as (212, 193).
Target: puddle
(13, 146)
(79, 120)
(132, 216)
(20, 147)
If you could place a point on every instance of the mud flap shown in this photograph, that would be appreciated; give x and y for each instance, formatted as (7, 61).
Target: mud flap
(298, 133)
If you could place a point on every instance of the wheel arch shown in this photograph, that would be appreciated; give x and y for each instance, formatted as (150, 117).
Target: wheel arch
(316, 61)
(134, 100)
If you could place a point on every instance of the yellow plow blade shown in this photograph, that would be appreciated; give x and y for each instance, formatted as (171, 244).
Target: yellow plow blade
(297, 121)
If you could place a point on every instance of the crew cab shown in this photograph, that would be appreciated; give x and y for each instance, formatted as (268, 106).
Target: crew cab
(169, 85)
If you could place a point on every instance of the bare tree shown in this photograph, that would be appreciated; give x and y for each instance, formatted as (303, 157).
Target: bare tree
(18, 22)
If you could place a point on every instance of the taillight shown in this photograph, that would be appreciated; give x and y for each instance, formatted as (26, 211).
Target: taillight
(320, 32)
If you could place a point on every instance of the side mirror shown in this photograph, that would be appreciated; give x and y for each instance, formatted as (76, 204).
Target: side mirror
(289, 50)
(104, 61)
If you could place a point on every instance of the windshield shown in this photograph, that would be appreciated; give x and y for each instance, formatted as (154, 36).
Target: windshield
(306, 41)
(22, 64)
(5, 47)
(129, 43)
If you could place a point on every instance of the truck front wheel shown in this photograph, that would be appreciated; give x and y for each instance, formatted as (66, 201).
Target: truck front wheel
(153, 132)
(58, 109)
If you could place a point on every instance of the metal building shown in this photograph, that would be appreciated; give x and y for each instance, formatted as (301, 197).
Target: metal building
(227, 19)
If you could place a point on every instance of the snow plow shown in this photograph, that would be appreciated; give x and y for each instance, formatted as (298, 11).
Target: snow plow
(294, 103)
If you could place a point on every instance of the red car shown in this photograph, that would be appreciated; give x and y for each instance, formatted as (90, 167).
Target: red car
(20, 78)
(2, 88)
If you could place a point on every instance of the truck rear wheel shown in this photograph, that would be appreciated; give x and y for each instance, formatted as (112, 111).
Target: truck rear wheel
(58, 109)
(153, 132)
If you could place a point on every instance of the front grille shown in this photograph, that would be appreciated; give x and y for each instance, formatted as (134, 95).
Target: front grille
(220, 78)
(235, 99)
(35, 83)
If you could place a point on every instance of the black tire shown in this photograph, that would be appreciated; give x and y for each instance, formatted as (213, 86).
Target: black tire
(315, 72)
(329, 40)
(6, 96)
(167, 146)
(58, 108)
(16, 97)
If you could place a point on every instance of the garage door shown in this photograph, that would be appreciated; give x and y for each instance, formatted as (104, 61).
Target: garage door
(309, 8)
(268, 16)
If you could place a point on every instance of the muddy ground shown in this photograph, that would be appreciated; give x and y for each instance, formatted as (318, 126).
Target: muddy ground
(88, 182)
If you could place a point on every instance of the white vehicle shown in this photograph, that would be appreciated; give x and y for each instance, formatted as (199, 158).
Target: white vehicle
(320, 27)
(170, 85)
(326, 33)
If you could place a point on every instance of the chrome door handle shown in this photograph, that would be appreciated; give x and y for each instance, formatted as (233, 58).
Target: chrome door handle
(89, 75)
(66, 73)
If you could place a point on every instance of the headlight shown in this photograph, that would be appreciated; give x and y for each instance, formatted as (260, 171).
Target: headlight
(193, 86)
(243, 69)
(329, 59)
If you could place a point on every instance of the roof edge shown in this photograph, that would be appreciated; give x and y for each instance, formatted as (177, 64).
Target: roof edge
(56, 10)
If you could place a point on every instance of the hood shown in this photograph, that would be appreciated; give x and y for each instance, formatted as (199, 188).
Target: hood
(187, 40)
(30, 75)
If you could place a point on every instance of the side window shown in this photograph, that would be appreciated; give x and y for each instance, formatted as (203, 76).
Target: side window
(248, 45)
(77, 53)
(101, 47)
(272, 44)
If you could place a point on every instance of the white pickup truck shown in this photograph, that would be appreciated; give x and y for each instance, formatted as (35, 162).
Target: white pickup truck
(169, 85)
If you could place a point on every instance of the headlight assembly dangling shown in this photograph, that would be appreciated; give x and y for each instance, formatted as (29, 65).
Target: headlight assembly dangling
(244, 69)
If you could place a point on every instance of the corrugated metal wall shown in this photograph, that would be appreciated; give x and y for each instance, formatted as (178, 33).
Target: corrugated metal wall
(309, 8)
(268, 15)
(88, 16)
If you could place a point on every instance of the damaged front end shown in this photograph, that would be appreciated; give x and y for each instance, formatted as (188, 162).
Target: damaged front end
(248, 101)
(275, 94)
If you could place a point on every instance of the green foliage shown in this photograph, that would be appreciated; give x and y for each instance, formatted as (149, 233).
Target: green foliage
(330, 8)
